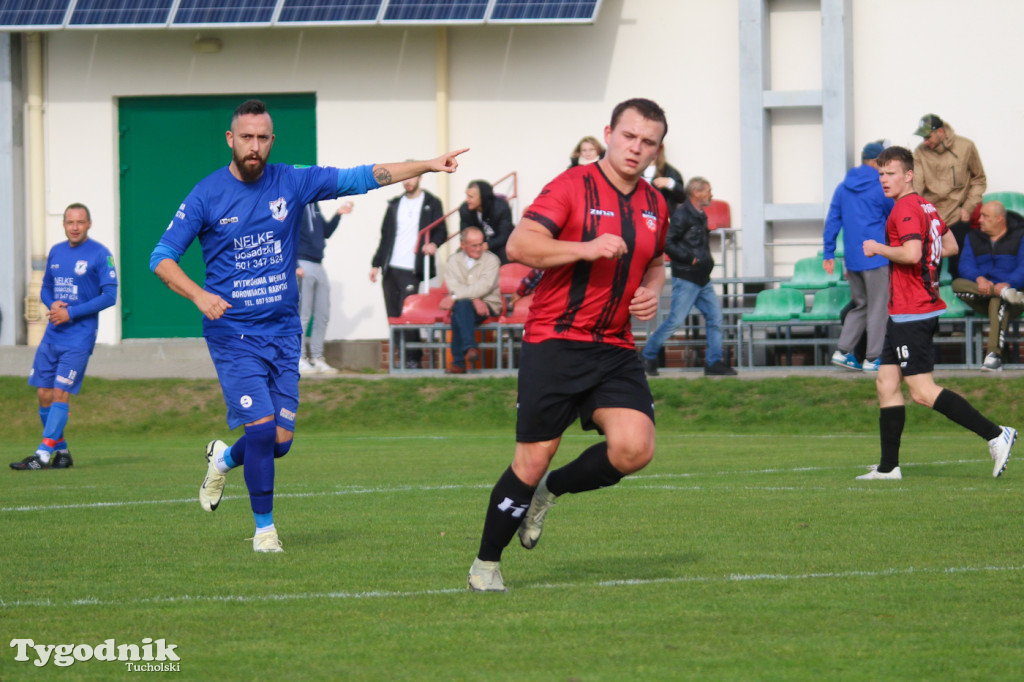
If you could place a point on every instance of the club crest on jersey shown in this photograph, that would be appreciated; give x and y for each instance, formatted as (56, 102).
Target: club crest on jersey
(81, 266)
(279, 209)
(651, 219)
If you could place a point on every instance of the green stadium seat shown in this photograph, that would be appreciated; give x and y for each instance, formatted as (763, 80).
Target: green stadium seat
(954, 306)
(776, 305)
(828, 303)
(944, 277)
(808, 273)
(1013, 201)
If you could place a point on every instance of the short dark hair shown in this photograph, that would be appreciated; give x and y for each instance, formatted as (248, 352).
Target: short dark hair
(894, 153)
(88, 216)
(646, 108)
(249, 107)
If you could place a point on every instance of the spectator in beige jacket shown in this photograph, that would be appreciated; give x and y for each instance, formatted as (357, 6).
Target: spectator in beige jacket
(949, 174)
(472, 277)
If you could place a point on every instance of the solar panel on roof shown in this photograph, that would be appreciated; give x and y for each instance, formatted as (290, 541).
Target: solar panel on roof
(435, 10)
(565, 10)
(225, 12)
(329, 10)
(22, 13)
(120, 12)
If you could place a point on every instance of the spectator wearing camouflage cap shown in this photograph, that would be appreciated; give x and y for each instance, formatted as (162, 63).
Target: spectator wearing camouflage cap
(948, 173)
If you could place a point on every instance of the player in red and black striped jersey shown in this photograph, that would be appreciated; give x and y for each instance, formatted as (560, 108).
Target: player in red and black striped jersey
(598, 232)
(917, 240)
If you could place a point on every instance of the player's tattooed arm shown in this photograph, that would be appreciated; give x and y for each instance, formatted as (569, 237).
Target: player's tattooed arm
(382, 176)
(387, 173)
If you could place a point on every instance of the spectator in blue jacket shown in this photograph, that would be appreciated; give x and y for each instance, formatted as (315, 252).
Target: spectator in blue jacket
(860, 209)
(991, 272)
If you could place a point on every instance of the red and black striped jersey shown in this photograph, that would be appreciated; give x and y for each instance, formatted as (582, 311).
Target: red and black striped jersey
(589, 301)
(914, 287)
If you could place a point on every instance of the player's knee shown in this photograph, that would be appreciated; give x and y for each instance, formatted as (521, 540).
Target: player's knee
(281, 449)
(630, 457)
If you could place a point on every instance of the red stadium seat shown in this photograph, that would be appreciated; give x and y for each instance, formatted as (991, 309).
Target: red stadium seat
(519, 311)
(421, 308)
(511, 274)
(719, 214)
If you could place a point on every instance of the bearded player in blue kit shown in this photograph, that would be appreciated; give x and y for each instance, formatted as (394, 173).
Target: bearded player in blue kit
(79, 282)
(246, 216)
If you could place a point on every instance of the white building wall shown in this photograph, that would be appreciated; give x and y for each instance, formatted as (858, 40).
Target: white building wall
(522, 96)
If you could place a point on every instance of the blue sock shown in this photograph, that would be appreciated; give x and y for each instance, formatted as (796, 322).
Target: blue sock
(235, 454)
(259, 467)
(264, 520)
(44, 414)
(281, 449)
(56, 420)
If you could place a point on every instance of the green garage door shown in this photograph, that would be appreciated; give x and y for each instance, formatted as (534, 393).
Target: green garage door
(167, 145)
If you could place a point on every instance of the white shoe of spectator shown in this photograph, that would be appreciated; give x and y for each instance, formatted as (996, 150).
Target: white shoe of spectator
(1011, 295)
(321, 367)
(992, 363)
(305, 367)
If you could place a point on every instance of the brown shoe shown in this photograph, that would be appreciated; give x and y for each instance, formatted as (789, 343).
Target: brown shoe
(455, 369)
(471, 355)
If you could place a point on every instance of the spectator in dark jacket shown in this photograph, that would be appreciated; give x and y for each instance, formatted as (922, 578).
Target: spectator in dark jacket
(402, 251)
(991, 274)
(687, 247)
(490, 213)
(667, 180)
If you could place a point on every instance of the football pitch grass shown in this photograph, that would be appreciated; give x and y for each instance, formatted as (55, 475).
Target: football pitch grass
(745, 551)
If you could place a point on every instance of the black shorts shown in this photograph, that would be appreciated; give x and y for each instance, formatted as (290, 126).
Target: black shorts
(560, 380)
(909, 345)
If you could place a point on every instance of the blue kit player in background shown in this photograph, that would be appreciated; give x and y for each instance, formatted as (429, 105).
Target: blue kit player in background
(79, 282)
(247, 216)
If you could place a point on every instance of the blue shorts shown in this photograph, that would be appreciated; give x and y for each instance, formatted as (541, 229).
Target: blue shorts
(59, 367)
(259, 376)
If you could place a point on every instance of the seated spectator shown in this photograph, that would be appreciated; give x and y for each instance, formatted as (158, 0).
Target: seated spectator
(588, 150)
(489, 213)
(667, 180)
(991, 272)
(473, 279)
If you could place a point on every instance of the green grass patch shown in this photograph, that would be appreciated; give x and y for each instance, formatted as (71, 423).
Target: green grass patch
(746, 550)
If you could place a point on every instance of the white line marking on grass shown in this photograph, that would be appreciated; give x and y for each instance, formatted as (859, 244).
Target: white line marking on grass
(428, 488)
(389, 594)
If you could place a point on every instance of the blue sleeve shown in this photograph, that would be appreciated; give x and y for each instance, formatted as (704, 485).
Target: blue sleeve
(968, 267)
(161, 252)
(1016, 278)
(107, 298)
(833, 223)
(358, 180)
(46, 293)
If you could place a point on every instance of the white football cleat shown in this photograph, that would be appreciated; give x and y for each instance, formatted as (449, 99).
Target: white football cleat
(533, 523)
(306, 368)
(485, 576)
(320, 366)
(876, 475)
(999, 447)
(267, 541)
(993, 363)
(212, 488)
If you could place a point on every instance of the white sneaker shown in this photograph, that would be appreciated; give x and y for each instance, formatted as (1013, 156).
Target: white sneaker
(306, 368)
(871, 365)
(533, 523)
(266, 541)
(321, 366)
(992, 363)
(485, 576)
(1011, 295)
(875, 475)
(847, 360)
(213, 485)
(999, 448)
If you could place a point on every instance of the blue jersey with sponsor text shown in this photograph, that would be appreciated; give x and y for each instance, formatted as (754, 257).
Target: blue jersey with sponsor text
(248, 232)
(84, 277)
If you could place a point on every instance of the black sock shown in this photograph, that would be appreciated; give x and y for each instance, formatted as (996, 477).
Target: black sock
(890, 427)
(590, 471)
(510, 498)
(955, 407)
